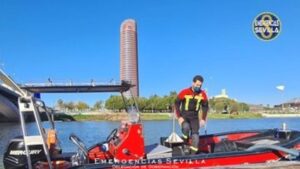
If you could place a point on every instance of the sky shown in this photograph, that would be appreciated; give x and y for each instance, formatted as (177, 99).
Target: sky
(79, 40)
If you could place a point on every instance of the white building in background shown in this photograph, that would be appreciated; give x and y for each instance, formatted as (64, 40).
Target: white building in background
(223, 94)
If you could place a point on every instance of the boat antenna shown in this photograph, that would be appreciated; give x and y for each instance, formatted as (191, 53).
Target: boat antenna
(174, 138)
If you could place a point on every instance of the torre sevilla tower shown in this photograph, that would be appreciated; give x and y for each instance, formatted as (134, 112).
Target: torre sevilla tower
(129, 55)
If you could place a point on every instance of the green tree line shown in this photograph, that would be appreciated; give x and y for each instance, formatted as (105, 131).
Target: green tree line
(152, 104)
(226, 105)
(78, 106)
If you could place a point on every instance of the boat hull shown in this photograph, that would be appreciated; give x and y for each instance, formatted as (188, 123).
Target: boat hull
(209, 156)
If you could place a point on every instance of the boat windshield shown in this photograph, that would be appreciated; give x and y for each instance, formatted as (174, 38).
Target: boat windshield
(131, 107)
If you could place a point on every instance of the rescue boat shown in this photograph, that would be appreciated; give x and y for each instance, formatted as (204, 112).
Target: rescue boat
(125, 146)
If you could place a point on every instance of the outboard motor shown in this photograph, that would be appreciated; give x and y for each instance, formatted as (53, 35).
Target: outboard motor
(15, 155)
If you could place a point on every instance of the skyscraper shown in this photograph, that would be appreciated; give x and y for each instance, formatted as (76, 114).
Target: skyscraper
(129, 54)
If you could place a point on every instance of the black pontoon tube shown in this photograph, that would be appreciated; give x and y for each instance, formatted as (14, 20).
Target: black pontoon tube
(292, 152)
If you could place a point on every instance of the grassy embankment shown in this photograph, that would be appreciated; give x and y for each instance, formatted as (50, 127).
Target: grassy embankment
(156, 116)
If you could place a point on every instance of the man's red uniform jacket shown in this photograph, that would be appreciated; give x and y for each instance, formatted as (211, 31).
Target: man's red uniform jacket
(190, 102)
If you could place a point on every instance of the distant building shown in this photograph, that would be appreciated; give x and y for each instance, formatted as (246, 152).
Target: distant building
(222, 95)
(129, 55)
(256, 107)
(291, 104)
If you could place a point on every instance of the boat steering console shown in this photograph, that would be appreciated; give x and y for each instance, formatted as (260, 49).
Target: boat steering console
(112, 135)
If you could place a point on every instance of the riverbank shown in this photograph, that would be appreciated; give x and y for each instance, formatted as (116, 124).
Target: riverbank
(155, 116)
(281, 115)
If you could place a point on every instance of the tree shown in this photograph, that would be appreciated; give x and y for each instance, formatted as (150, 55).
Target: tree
(243, 107)
(218, 104)
(98, 105)
(60, 104)
(152, 103)
(171, 100)
(82, 106)
(234, 108)
(115, 103)
(142, 103)
(70, 105)
(172, 97)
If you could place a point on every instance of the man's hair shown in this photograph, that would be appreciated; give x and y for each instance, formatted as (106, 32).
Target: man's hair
(198, 77)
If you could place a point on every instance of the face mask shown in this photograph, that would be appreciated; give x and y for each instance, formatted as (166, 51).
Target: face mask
(197, 89)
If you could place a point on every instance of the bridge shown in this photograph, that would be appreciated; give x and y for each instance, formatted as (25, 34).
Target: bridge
(76, 88)
(10, 91)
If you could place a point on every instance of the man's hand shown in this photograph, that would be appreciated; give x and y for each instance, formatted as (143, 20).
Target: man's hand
(180, 120)
(202, 123)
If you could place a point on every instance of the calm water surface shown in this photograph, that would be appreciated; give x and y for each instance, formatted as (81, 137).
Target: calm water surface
(93, 132)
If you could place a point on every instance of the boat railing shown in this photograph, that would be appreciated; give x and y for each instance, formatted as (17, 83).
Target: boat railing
(30, 105)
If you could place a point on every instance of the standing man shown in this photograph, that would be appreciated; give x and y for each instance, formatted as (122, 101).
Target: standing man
(187, 107)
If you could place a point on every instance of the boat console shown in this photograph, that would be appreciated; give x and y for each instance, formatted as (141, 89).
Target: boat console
(125, 143)
(128, 143)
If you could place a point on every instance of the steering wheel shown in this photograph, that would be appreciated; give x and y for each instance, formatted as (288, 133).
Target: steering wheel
(112, 135)
(79, 144)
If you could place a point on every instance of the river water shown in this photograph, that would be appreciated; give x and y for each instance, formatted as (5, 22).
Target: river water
(93, 132)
